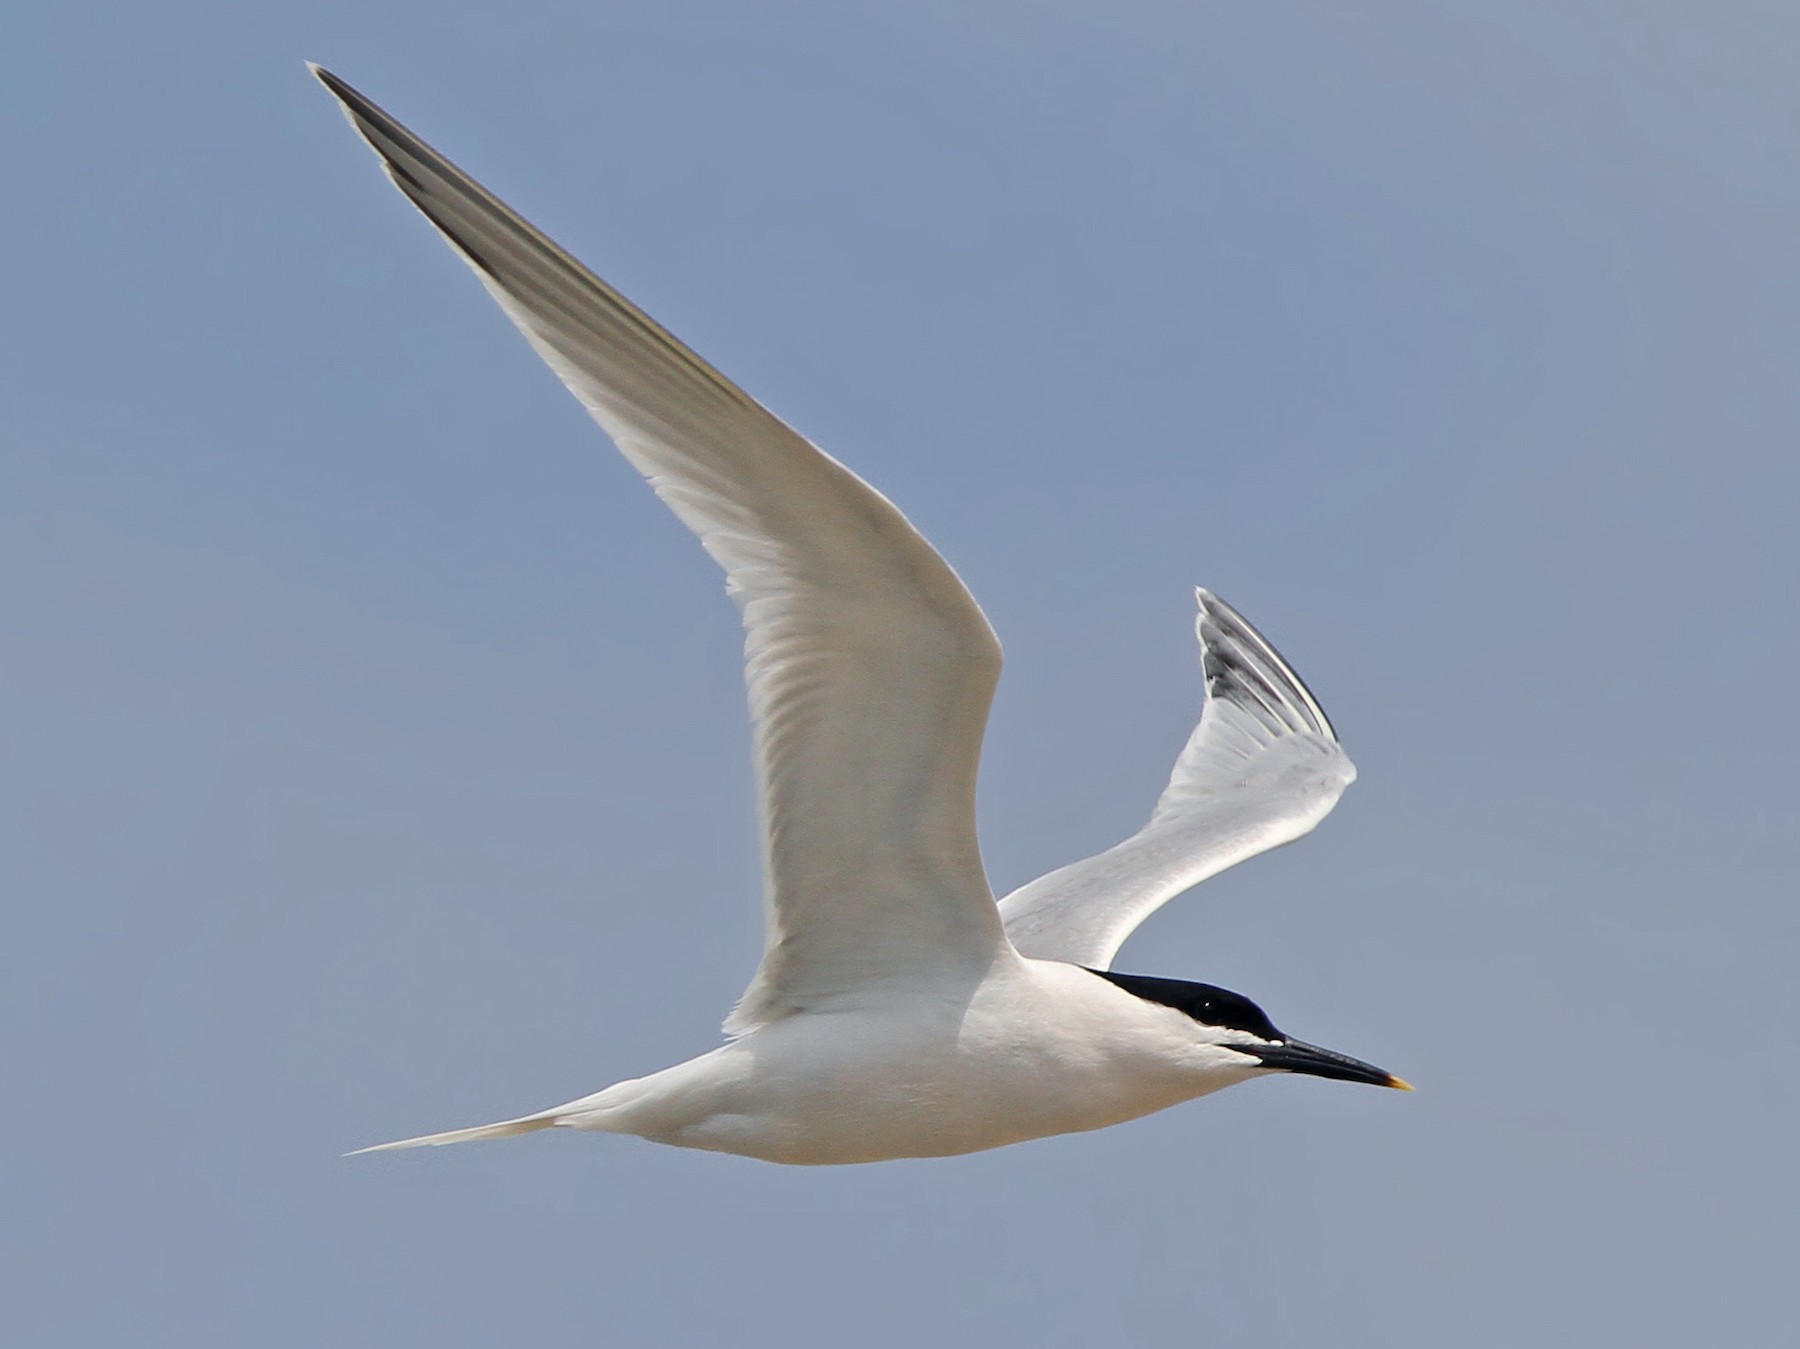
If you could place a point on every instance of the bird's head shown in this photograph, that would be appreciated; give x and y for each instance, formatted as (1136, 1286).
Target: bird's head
(1231, 1022)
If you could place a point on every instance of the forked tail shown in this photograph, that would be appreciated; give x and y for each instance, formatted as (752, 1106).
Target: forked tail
(525, 1124)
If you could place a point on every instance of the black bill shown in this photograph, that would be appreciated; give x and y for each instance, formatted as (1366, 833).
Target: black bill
(1296, 1056)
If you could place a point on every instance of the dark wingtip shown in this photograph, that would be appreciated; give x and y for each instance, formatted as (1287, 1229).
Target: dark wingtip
(344, 93)
(1268, 668)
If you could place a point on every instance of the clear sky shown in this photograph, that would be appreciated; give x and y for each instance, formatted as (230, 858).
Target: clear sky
(374, 753)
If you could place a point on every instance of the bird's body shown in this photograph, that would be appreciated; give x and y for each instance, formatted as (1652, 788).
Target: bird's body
(1025, 1049)
(898, 1010)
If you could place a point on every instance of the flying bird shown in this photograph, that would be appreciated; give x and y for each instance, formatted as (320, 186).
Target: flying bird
(898, 1010)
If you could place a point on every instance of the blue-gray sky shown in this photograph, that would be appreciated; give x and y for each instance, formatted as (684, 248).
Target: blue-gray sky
(374, 750)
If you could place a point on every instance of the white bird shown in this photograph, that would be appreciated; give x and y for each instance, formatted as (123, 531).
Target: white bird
(898, 1010)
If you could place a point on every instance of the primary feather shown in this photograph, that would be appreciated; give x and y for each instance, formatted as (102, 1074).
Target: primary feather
(1262, 767)
(870, 668)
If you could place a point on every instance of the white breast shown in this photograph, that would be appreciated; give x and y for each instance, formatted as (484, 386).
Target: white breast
(1033, 1049)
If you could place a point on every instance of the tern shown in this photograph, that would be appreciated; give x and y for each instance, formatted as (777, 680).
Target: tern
(898, 1010)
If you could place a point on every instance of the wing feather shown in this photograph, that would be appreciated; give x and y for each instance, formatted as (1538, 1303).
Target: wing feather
(1262, 768)
(870, 668)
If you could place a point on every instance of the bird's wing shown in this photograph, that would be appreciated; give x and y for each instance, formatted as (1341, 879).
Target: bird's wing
(870, 668)
(1261, 769)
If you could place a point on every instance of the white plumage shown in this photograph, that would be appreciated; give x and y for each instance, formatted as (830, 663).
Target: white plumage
(1261, 769)
(893, 1014)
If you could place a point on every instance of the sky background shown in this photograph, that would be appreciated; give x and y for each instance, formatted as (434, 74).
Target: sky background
(375, 758)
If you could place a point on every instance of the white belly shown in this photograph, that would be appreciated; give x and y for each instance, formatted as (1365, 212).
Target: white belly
(1037, 1049)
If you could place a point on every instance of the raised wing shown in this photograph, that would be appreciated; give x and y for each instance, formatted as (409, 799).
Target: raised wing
(870, 668)
(1261, 769)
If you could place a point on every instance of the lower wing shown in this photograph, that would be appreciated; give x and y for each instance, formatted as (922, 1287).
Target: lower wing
(1261, 769)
